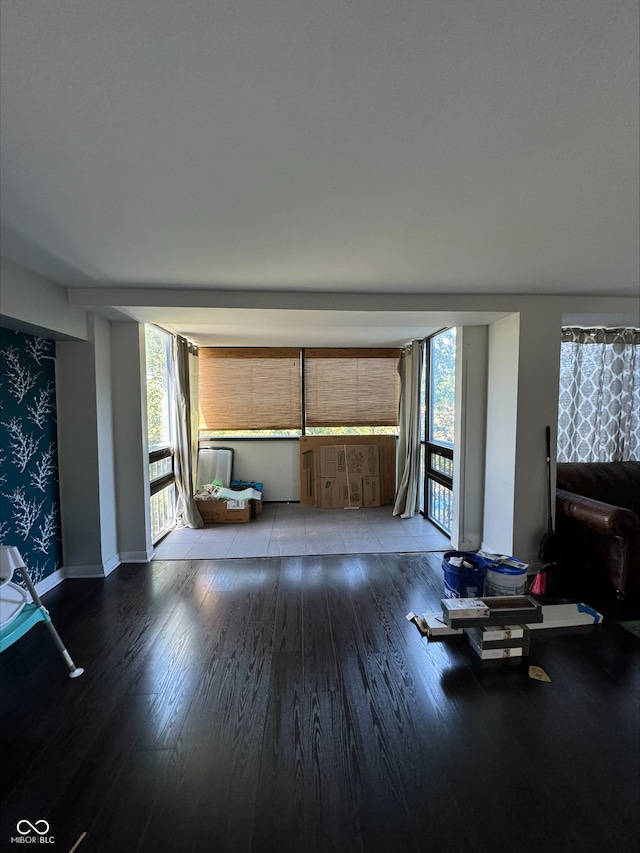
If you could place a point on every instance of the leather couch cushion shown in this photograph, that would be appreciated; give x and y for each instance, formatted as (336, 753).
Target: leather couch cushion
(616, 483)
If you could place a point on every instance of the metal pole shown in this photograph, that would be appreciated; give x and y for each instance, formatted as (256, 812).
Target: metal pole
(74, 671)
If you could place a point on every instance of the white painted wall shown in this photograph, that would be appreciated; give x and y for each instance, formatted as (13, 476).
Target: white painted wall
(76, 403)
(130, 442)
(78, 456)
(502, 409)
(34, 304)
(86, 453)
(273, 462)
(523, 370)
(105, 440)
(470, 440)
(538, 379)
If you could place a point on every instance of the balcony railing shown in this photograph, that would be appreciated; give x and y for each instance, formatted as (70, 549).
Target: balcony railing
(163, 491)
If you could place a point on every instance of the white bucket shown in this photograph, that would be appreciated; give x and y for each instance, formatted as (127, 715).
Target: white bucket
(505, 580)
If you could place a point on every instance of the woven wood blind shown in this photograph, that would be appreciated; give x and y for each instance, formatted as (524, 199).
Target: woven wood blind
(249, 388)
(351, 387)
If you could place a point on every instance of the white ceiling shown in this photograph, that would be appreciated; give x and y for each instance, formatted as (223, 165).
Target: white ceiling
(308, 328)
(468, 146)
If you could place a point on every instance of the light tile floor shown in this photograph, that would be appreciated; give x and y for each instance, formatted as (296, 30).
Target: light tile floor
(291, 529)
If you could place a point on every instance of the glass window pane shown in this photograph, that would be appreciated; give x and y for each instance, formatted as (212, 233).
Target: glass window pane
(352, 430)
(160, 468)
(442, 387)
(441, 464)
(440, 505)
(421, 505)
(423, 398)
(162, 512)
(157, 345)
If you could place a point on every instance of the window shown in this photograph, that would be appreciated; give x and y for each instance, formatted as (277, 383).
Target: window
(351, 387)
(251, 391)
(438, 432)
(161, 476)
(260, 391)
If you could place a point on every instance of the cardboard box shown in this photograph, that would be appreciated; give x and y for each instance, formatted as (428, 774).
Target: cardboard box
(346, 491)
(336, 465)
(506, 637)
(371, 491)
(329, 461)
(464, 608)
(501, 654)
(501, 610)
(336, 459)
(214, 511)
(381, 462)
(363, 459)
(331, 492)
(355, 491)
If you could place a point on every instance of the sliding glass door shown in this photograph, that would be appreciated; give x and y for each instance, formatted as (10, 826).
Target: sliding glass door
(438, 436)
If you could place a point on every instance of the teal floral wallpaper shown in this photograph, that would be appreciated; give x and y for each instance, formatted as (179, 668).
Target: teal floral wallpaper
(29, 494)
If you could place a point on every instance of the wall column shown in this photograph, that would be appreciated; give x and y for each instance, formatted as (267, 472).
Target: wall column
(538, 389)
(85, 435)
(130, 438)
(523, 369)
(470, 432)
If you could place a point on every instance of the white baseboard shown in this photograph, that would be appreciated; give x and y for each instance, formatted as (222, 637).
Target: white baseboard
(137, 556)
(50, 582)
(103, 570)
(112, 564)
(96, 571)
(99, 570)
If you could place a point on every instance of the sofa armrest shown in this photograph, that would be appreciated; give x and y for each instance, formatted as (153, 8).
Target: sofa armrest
(600, 516)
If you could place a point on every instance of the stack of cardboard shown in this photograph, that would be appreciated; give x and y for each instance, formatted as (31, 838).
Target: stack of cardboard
(384, 470)
(346, 475)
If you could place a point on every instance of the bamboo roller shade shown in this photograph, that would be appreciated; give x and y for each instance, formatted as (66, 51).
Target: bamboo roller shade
(351, 387)
(249, 388)
(260, 388)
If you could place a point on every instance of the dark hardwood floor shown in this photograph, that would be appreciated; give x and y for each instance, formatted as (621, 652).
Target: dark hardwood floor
(285, 704)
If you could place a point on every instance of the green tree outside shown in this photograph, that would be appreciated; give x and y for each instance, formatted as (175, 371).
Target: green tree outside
(443, 386)
(158, 377)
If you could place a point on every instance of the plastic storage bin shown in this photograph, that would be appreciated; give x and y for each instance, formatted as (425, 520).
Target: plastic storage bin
(505, 580)
(460, 581)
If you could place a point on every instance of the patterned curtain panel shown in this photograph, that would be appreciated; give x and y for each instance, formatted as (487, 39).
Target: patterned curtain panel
(29, 497)
(599, 405)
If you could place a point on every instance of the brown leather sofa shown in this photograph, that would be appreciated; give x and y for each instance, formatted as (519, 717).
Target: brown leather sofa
(598, 520)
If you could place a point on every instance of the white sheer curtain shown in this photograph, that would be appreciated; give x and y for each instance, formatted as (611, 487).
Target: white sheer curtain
(410, 369)
(187, 514)
(599, 403)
